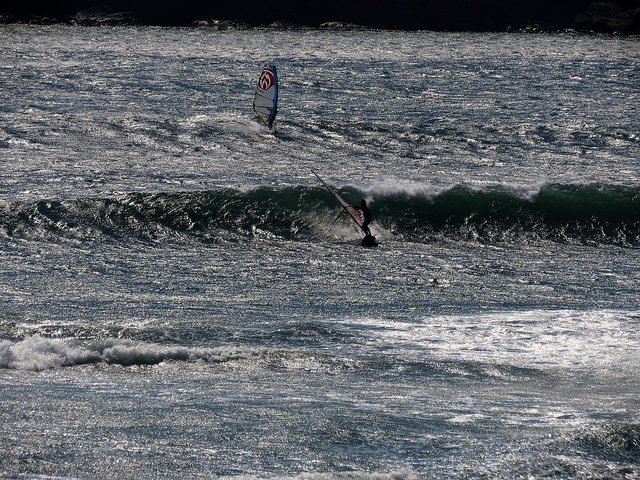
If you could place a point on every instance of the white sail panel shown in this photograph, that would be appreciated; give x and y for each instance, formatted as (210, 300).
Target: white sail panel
(265, 101)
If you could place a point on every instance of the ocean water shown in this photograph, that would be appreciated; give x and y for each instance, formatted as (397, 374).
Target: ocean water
(180, 298)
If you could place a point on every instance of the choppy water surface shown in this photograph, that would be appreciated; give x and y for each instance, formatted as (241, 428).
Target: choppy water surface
(180, 298)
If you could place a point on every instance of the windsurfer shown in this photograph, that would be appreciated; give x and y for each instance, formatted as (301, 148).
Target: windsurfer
(366, 213)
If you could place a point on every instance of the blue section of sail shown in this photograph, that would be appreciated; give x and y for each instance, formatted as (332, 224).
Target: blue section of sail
(274, 112)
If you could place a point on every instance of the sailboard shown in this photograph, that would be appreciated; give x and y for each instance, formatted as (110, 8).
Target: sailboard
(353, 213)
(265, 101)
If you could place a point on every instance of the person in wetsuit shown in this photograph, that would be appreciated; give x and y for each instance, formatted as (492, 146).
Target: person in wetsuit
(366, 213)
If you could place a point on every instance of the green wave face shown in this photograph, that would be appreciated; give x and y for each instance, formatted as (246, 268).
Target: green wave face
(591, 214)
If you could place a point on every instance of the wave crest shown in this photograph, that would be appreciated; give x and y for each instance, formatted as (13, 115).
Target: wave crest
(39, 353)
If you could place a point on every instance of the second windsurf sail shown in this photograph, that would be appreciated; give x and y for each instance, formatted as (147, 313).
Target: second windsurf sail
(353, 213)
(265, 101)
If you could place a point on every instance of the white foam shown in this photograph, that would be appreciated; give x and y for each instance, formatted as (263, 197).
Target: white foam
(602, 340)
(145, 354)
(393, 186)
(37, 353)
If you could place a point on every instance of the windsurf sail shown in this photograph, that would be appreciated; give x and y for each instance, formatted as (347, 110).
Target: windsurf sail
(353, 213)
(265, 101)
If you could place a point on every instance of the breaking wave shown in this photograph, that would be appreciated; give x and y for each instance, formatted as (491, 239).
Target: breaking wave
(41, 353)
(38, 353)
(589, 214)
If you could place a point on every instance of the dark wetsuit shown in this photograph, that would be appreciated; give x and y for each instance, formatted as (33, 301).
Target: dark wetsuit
(366, 213)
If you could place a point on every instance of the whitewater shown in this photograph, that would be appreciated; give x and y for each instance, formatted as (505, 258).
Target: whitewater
(181, 298)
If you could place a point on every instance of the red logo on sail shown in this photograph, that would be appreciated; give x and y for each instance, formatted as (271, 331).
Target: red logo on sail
(266, 80)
